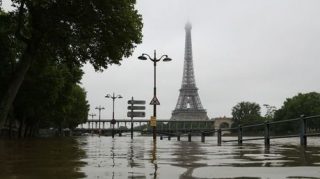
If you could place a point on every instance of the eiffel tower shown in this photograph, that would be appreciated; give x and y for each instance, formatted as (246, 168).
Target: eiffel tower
(189, 106)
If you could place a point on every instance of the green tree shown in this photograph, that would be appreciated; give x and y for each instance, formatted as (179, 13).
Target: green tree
(79, 108)
(246, 112)
(271, 110)
(73, 32)
(307, 104)
(9, 52)
(47, 96)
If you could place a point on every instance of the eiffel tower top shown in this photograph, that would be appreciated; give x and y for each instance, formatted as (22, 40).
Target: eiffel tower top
(188, 26)
(188, 79)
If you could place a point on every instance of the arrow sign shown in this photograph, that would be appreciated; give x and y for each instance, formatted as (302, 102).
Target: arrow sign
(136, 102)
(136, 107)
(154, 101)
(136, 114)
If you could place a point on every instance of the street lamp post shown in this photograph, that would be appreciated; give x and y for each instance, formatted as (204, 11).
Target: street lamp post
(99, 108)
(113, 121)
(91, 115)
(154, 101)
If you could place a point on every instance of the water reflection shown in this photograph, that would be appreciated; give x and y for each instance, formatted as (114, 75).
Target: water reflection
(131, 154)
(154, 158)
(113, 154)
(41, 158)
(135, 156)
(253, 155)
(189, 155)
(141, 158)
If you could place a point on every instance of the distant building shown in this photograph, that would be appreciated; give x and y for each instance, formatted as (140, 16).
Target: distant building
(223, 122)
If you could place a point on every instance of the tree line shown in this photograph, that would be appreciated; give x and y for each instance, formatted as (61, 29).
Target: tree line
(307, 104)
(44, 44)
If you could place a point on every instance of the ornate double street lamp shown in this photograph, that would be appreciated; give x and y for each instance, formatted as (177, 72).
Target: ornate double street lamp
(99, 108)
(154, 100)
(113, 121)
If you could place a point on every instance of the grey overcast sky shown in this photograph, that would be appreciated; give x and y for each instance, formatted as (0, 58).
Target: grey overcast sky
(249, 50)
(262, 51)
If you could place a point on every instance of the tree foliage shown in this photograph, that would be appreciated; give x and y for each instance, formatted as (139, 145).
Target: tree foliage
(64, 33)
(50, 96)
(307, 104)
(78, 31)
(246, 112)
(271, 110)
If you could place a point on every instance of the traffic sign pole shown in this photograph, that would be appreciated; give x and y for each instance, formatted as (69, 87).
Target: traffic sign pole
(132, 118)
(133, 113)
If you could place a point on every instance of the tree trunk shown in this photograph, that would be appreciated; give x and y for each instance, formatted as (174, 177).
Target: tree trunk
(30, 131)
(13, 88)
(60, 130)
(35, 131)
(17, 79)
(21, 127)
(26, 130)
(10, 129)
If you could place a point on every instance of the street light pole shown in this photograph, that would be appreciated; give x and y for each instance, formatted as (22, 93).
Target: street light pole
(154, 101)
(99, 108)
(92, 115)
(154, 82)
(154, 128)
(113, 121)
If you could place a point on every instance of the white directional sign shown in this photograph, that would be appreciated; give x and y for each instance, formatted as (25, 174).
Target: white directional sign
(136, 114)
(136, 102)
(136, 107)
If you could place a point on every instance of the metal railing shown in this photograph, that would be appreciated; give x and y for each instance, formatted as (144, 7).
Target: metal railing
(267, 136)
(302, 134)
(161, 124)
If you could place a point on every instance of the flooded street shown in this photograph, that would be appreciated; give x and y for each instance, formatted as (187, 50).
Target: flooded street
(104, 157)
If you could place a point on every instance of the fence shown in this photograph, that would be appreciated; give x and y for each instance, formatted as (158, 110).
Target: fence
(302, 134)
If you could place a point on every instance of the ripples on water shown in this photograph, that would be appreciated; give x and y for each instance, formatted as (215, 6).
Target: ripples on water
(104, 157)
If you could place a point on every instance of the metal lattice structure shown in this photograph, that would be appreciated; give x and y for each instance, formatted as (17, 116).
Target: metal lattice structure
(189, 106)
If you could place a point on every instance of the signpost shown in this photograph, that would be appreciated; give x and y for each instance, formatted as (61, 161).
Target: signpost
(136, 114)
(133, 113)
(136, 101)
(153, 121)
(136, 107)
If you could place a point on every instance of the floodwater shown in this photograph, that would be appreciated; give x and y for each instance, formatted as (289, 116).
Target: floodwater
(140, 158)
